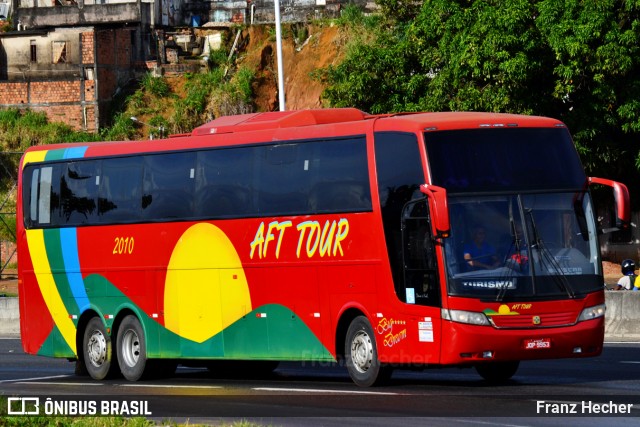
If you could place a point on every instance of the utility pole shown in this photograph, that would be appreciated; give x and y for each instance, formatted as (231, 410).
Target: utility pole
(279, 55)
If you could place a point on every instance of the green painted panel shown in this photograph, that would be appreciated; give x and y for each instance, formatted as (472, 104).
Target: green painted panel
(54, 254)
(55, 345)
(269, 332)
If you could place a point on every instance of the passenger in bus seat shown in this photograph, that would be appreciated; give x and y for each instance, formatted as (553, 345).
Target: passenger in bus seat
(478, 254)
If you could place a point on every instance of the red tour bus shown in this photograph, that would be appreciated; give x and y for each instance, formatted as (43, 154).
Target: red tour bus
(416, 240)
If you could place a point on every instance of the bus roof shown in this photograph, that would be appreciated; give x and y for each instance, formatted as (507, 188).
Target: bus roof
(415, 121)
(462, 120)
(279, 119)
(276, 125)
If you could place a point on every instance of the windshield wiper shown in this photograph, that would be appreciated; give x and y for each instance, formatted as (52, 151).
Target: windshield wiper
(512, 256)
(547, 258)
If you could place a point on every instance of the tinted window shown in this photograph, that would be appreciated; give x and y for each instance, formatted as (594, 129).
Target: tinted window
(79, 192)
(120, 190)
(41, 195)
(223, 184)
(169, 185)
(340, 176)
(306, 177)
(400, 174)
(283, 179)
(504, 160)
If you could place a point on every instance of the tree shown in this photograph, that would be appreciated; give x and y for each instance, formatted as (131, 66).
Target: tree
(573, 60)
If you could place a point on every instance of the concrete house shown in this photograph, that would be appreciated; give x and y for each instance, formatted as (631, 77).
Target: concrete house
(69, 59)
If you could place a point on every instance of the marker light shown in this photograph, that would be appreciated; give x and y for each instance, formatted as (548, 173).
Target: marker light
(468, 317)
(592, 312)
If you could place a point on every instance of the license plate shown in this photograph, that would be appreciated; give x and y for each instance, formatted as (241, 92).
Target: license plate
(536, 343)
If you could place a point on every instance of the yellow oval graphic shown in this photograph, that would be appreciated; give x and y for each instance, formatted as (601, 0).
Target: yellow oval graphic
(206, 289)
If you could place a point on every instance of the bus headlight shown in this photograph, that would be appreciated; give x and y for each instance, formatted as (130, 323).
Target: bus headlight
(468, 317)
(592, 312)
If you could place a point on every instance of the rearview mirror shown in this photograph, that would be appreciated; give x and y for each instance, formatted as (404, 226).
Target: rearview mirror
(439, 208)
(621, 197)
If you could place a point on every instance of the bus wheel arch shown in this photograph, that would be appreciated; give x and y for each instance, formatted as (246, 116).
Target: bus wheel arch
(97, 349)
(341, 332)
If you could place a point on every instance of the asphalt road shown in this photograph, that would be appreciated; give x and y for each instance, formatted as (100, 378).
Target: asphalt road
(307, 394)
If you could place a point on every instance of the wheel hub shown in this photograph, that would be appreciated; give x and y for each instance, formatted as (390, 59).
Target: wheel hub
(362, 351)
(97, 348)
(130, 348)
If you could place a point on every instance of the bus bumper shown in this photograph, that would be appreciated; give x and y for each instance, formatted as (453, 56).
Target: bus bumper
(470, 344)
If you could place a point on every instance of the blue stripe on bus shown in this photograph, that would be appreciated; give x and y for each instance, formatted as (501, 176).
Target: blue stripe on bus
(75, 152)
(69, 243)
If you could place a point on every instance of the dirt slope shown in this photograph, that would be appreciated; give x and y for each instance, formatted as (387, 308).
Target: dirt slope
(323, 46)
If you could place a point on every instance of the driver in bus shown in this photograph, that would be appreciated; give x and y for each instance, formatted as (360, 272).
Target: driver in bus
(478, 254)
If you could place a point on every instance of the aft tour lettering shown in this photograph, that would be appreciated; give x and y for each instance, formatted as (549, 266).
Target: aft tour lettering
(312, 238)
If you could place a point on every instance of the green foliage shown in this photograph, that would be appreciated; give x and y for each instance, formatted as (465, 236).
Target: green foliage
(217, 58)
(188, 111)
(574, 60)
(155, 86)
(6, 26)
(243, 81)
(123, 128)
(402, 10)
(351, 15)
(7, 224)
(20, 129)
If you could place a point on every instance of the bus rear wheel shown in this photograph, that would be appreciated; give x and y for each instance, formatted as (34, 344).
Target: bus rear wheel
(361, 355)
(497, 372)
(96, 349)
(131, 348)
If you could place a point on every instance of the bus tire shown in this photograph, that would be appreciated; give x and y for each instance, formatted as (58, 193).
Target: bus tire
(97, 350)
(131, 348)
(497, 372)
(361, 355)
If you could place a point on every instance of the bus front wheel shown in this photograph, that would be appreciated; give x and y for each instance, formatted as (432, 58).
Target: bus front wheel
(497, 372)
(131, 348)
(361, 355)
(96, 348)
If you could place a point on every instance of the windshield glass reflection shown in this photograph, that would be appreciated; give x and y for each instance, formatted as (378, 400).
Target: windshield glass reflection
(522, 246)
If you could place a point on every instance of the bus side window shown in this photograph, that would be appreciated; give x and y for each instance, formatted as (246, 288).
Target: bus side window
(79, 192)
(340, 180)
(169, 186)
(223, 182)
(120, 190)
(41, 197)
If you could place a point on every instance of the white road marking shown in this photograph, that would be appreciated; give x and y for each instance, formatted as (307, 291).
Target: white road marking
(170, 386)
(56, 383)
(319, 390)
(34, 379)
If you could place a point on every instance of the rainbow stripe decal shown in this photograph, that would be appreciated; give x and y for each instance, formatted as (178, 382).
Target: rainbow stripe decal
(207, 303)
(42, 264)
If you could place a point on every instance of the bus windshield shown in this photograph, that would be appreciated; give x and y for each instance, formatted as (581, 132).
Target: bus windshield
(497, 160)
(522, 246)
(521, 221)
